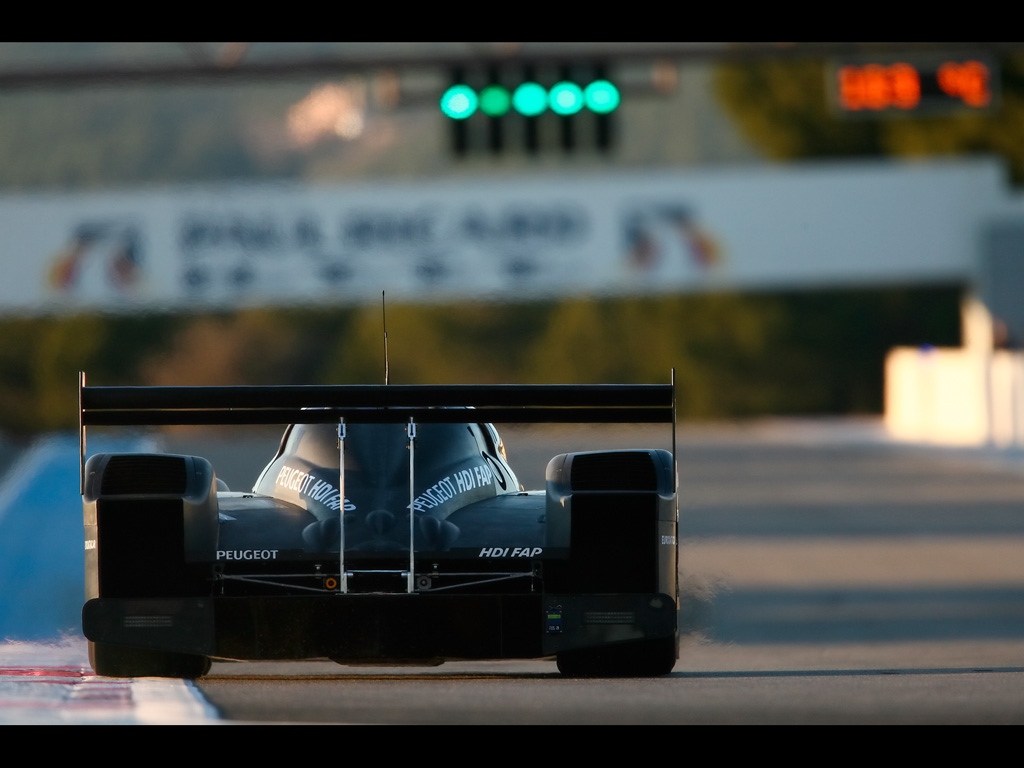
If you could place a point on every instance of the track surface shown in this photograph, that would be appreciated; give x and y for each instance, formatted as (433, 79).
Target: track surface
(828, 577)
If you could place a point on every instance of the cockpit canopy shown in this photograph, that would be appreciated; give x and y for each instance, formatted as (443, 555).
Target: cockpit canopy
(454, 464)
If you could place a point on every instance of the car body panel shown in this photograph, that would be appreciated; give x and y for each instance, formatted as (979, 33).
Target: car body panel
(383, 534)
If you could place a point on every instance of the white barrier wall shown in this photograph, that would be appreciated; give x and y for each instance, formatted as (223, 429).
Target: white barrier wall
(969, 396)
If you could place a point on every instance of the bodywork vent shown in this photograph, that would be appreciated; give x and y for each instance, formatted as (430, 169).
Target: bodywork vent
(627, 618)
(144, 474)
(614, 471)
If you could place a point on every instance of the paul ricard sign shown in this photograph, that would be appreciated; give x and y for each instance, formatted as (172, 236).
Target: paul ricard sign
(505, 238)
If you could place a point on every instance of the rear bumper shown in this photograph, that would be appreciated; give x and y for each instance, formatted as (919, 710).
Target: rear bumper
(362, 628)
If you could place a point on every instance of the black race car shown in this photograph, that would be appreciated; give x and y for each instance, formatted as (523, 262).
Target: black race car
(389, 528)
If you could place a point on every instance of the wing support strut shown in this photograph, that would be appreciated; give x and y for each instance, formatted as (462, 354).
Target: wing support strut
(342, 574)
(410, 579)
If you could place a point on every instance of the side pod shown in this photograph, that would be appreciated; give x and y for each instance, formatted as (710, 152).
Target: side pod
(616, 512)
(150, 519)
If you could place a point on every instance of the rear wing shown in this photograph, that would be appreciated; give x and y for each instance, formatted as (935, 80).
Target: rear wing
(372, 403)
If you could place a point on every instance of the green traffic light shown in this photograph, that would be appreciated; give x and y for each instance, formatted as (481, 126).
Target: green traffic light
(602, 97)
(459, 102)
(530, 99)
(565, 98)
(495, 100)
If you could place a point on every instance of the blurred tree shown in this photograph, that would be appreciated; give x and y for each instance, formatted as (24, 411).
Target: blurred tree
(781, 106)
(472, 342)
(18, 338)
(715, 342)
(56, 363)
(735, 355)
(247, 347)
(41, 357)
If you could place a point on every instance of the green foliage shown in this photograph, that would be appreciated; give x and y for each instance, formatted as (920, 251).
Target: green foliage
(781, 107)
(249, 346)
(744, 355)
(39, 364)
(460, 343)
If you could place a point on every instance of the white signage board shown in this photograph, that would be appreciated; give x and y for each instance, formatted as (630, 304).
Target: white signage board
(502, 237)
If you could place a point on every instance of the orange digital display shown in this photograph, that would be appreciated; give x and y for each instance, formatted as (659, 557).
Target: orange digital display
(966, 80)
(902, 86)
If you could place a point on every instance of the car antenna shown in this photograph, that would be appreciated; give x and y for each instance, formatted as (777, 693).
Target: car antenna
(384, 322)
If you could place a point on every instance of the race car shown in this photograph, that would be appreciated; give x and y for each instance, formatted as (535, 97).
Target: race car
(388, 529)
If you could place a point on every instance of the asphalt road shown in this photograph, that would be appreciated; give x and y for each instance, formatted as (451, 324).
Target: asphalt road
(828, 577)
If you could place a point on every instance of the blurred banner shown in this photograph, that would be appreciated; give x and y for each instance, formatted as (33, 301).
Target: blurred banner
(503, 238)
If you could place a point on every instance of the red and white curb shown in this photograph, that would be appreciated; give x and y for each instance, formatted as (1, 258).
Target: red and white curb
(73, 695)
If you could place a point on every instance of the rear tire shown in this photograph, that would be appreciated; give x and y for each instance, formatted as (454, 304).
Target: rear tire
(642, 658)
(123, 661)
